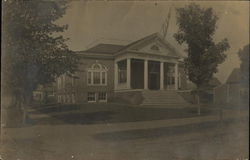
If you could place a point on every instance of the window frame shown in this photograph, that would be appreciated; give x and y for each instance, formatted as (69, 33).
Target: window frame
(95, 97)
(103, 100)
(122, 72)
(100, 70)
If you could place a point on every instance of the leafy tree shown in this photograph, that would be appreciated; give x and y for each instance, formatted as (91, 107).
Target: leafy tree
(34, 52)
(196, 28)
(244, 67)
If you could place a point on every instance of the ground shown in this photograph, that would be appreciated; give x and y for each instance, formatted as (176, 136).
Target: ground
(109, 113)
(91, 132)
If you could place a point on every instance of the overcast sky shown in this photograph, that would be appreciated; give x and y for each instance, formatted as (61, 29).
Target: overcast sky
(92, 22)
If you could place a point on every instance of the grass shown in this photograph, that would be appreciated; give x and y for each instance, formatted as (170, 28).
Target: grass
(111, 113)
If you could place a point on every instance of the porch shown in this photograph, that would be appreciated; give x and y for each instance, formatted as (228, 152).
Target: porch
(146, 74)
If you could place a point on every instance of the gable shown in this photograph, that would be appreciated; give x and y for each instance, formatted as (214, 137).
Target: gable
(156, 48)
(234, 77)
(153, 44)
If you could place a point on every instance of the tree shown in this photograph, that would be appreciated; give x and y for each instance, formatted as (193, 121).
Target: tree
(33, 51)
(244, 66)
(196, 28)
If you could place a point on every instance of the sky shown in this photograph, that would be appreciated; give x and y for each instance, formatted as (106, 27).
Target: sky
(120, 22)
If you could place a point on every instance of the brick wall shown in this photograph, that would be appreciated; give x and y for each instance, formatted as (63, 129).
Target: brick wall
(81, 85)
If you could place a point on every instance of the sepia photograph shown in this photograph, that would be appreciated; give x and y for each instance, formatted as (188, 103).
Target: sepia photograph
(124, 80)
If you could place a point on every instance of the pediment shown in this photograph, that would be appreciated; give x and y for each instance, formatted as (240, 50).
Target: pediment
(155, 46)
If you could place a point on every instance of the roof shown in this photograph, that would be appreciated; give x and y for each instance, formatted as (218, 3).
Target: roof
(105, 48)
(234, 77)
(214, 82)
(113, 48)
(136, 44)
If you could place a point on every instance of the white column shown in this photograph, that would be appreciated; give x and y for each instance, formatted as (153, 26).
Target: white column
(128, 73)
(116, 76)
(145, 74)
(162, 76)
(176, 76)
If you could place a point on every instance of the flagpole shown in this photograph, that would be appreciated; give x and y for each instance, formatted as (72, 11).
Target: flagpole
(165, 25)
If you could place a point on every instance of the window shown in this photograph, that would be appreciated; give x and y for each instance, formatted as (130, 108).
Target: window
(64, 99)
(97, 96)
(91, 97)
(97, 74)
(104, 77)
(97, 78)
(73, 99)
(58, 99)
(89, 77)
(122, 71)
(60, 82)
(102, 96)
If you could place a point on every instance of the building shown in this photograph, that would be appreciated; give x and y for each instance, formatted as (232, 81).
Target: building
(233, 91)
(206, 94)
(147, 68)
(44, 94)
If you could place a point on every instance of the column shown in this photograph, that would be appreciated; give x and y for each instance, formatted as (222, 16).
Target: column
(162, 76)
(145, 74)
(116, 76)
(128, 73)
(176, 76)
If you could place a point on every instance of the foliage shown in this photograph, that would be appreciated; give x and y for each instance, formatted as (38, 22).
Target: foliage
(196, 28)
(244, 67)
(33, 51)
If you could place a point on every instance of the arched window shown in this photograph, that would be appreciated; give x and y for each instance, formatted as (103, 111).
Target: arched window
(97, 74)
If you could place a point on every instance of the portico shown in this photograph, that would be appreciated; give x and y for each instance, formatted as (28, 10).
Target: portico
(132, 73)
(150, 63)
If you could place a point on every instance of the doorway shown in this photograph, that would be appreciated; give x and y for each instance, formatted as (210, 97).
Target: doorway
(154, 75)
(137, 74)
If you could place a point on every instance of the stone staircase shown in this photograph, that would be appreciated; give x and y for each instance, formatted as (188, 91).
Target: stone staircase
(168, 98)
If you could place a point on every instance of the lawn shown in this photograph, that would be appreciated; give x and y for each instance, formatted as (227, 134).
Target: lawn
(110, 113)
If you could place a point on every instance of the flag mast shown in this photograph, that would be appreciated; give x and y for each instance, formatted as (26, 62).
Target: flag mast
(165, 24)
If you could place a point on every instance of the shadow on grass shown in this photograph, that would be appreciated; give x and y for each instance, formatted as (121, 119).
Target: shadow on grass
(55, 109)
(101, 114)
(156, 132)
(77, 118)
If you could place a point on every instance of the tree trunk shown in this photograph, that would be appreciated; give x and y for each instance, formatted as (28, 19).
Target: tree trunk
(25, 102)
(198, 103)
(11, 110)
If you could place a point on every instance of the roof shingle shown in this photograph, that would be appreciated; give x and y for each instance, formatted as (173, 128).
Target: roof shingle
(105, 48)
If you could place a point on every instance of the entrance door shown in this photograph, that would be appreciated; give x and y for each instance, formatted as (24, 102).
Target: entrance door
(137, 74)
(154, 81)
(154, 75)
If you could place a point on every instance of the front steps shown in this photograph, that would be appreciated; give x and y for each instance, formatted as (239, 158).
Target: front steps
(167, 98)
